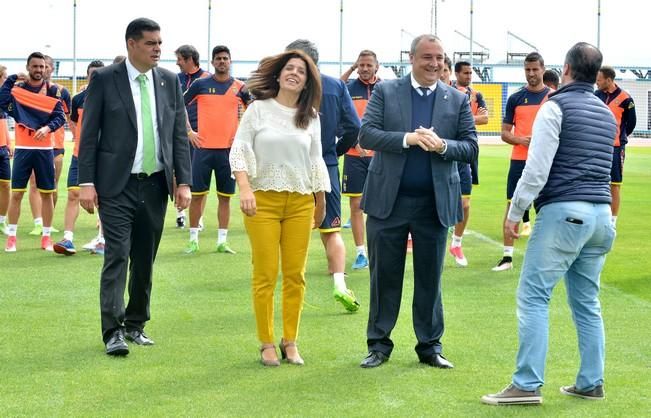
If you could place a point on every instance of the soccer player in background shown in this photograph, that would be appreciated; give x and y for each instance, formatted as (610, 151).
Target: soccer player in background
(357, 159)
(338, 119)
(622, 105)
(521, 109)
(221, 100)
(187, 59)
(59, 150)
(468, 172)
(66, 245)
(35, 105)
(550, 79)
(6, 152)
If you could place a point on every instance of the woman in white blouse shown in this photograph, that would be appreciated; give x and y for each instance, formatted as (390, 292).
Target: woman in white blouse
(276, 160)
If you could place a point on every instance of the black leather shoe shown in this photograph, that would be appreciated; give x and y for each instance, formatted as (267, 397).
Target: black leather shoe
(138, 337)
(437, 360)
(116, 346)
(373, 359)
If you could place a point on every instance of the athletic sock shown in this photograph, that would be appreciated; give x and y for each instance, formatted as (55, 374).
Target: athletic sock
(456, 241)
(340, 282)
(38, 221)
(361, 250)
(68, 235)
(508, 251)
(194, 234)
(46, 231)
(222, 234)
(12, 229)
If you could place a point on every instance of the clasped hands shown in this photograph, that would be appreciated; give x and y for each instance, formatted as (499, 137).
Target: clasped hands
(427, 139)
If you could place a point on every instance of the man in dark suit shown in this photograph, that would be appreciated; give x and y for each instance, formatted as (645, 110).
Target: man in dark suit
(133, 143)
(418, 128)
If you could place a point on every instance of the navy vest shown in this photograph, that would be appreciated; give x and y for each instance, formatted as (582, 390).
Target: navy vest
(581, 167)
(417, 174)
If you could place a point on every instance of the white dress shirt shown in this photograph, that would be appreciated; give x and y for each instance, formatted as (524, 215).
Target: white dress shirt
(133, 74)
(417, 86)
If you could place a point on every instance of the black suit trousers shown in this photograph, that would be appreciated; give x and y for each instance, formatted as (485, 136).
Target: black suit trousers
(133, 225)
(387, 246)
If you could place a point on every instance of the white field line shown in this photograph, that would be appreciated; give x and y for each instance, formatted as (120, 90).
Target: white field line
(612, 289)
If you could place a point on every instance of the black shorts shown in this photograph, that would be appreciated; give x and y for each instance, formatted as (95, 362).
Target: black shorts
(617, 169)
(474, 171)
(465, 178)
(355, 170)
(73, 173)
(58, 151)
(5, 167)
(41, 162)
(204, 162)
(515, 172)
(332, 221)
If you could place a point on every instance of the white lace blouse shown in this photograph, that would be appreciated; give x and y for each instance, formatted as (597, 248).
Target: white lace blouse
(276, 154)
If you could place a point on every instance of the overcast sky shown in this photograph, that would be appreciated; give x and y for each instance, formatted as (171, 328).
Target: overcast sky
(253, 29)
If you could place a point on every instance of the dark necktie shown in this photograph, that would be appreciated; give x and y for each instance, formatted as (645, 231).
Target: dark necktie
(425, 90)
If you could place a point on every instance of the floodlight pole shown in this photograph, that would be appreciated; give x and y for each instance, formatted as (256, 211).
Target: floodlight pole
(471, 30)
(434, 17)
(208, 57)
(341, 36)
(74, 46)
(599, 24)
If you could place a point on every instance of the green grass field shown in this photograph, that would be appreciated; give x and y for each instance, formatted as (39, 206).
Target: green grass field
(205, 361)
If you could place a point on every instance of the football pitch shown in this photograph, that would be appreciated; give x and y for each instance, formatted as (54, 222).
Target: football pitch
(206, 361)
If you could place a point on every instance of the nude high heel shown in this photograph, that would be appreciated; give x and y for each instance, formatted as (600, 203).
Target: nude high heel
(296, 359)
(274, 362)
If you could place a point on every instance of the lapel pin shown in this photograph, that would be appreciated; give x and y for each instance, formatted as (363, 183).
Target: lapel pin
(162, 83)
(445, 97)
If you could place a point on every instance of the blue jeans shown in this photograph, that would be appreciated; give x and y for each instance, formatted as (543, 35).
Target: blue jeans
(569, 239)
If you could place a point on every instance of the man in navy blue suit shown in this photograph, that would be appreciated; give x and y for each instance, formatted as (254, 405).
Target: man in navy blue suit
(418, 127)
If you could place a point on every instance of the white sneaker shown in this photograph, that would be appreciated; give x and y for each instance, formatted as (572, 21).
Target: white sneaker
(457, 253)
(506, 263)
(91, 245)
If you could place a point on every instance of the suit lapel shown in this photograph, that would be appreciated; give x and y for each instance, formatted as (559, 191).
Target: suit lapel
(123, 86)
(441, 101)
(404, 99)
(159, 90)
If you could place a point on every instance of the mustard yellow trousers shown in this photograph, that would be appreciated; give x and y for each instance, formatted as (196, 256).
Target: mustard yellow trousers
(279, 234)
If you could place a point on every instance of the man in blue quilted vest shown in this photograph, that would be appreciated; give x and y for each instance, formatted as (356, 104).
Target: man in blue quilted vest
(567, 177)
